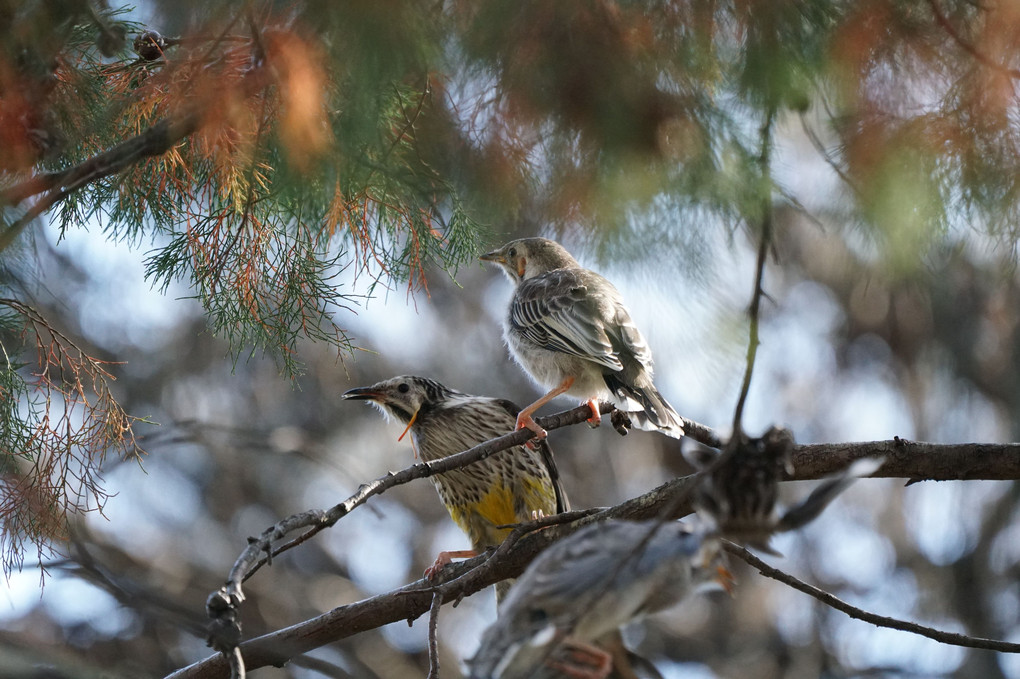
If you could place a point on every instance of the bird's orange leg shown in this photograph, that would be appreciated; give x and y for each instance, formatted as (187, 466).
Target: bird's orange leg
(445, 558)
(583, 661)
(524, 420)
(596, 416)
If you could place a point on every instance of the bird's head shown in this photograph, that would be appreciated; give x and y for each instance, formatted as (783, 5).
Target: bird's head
(528, 257)
(401, 397)
(710, 571)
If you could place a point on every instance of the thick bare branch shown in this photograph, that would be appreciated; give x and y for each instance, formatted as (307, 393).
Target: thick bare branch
(918, 461)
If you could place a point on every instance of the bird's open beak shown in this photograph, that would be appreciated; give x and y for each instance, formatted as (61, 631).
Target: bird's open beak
(494, 256)
(725, 579)
(362, 394)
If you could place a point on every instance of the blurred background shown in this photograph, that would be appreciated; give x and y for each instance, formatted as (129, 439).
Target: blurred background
(631, 133)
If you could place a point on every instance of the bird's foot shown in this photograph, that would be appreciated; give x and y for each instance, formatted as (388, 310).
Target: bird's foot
(447, 557)
(596, 416)
(621, 421)
(581, 661)
(524, 421)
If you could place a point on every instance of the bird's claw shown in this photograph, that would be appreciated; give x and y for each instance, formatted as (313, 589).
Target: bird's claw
(621, 421)
(524, 421)
(582, 661)
(433, 571)
(596, 415)
(447, 557)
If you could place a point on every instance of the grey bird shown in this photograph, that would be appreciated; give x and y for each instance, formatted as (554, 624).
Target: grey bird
(738, 494)
(588, 584)
(483, 498)
(569, 330)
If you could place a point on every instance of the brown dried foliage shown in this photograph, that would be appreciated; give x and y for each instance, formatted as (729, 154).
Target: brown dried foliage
(73, 422)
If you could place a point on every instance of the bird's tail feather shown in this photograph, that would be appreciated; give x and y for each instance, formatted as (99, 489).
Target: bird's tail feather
(647, 408)
(503, 588)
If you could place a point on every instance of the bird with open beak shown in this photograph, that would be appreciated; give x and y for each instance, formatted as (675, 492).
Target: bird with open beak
(483, 498)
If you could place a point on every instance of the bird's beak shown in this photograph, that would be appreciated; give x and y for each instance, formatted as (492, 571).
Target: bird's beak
(362, 394)
(494, 256)
(725, 579)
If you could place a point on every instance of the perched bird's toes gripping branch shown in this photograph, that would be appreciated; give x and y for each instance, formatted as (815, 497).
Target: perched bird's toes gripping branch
(620, 421)
(445, 558)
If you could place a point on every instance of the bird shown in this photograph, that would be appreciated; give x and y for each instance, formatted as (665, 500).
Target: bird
(512, 486)
(588, 584)
(738, 493)
(569, 329)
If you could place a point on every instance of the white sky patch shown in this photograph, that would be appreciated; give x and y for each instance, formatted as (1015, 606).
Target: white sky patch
(72, 601)
(865, 646)
(118, 306)
(376, 550)
(1010, 662)
(150, 510)
(21, 593)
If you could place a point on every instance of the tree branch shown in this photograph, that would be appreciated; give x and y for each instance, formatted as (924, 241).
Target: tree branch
(437, 602)
(763, 250)
(155, 141)
(249, 561)
(916, 461)
(859, 614)
(904, 459)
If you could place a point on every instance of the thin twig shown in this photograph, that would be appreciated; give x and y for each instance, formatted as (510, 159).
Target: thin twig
(437, 603)
(763, 249)
(859, 614)
(816, 142)
(318, 520)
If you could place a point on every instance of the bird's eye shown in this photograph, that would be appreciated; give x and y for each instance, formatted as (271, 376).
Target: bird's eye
(512, 253)
(537, 616)
(403, 388)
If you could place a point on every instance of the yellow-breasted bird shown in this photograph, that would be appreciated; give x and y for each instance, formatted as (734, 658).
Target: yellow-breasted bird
(512, 486)
(569, 329)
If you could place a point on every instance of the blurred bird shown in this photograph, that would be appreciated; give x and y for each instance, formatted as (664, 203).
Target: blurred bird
(738, 495)
(569, 329)
(586, 585)
(509, 487)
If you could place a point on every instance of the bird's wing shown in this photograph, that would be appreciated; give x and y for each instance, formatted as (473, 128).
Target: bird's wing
(560, 311)
(566, 572)
(625, 336)
(543, 449)
(541, 607)
(591, 580)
